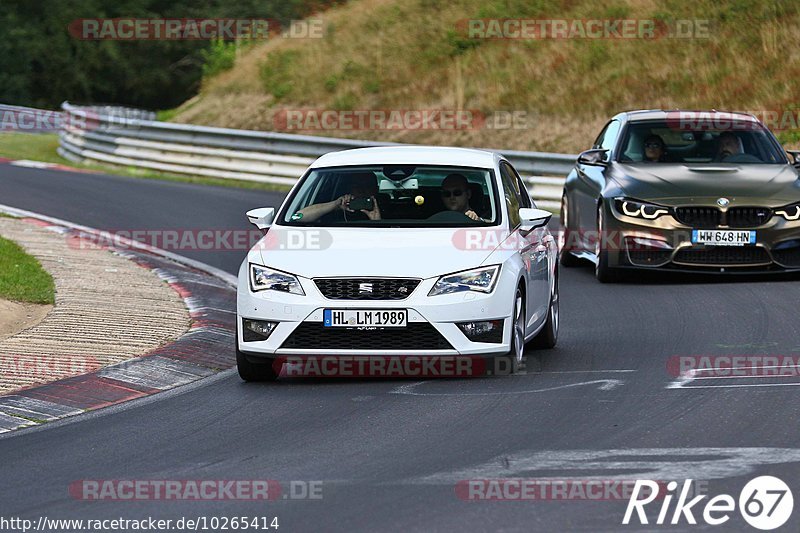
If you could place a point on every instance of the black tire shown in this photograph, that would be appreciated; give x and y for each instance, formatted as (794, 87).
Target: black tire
(547, 338)
(565, 256)
(516, 355)
(254, 371)
(602, 271)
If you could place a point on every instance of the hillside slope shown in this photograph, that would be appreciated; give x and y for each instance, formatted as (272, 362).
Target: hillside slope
(415, 54)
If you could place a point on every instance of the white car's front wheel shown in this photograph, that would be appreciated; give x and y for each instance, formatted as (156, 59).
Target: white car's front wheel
(548, 337)
(517, 352)
(254, 371)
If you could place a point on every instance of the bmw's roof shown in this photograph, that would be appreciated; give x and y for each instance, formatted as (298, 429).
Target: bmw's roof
(404, 155)
(663, 114)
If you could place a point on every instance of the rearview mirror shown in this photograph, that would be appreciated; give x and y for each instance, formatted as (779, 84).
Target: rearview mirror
(261, 217)
(595, 157)
(533, 218)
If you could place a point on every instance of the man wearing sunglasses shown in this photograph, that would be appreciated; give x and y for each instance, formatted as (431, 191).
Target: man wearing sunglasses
(456, 194)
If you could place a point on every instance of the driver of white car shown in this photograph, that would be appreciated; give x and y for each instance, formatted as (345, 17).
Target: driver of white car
(456, 195)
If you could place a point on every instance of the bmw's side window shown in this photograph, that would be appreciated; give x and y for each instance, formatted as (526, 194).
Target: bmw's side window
(608, 137)
(511, 194)
(599, 140)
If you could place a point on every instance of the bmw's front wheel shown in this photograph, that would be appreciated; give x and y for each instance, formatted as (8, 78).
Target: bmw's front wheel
(603, 272)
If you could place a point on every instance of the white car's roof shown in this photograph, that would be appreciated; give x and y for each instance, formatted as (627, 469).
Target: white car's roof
(404, 155)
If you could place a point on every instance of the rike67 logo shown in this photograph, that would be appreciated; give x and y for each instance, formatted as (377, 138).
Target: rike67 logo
(765, 503)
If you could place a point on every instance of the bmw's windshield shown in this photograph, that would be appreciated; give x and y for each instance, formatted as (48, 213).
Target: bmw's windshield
(394, 195)
(667, 142)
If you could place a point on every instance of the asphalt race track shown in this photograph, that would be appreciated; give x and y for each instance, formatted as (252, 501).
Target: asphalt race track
(390, 453)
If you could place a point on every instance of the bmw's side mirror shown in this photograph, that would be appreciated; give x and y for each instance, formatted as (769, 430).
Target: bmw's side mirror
(533, 218)
(795, 158)
(261, 217)
(596, 157)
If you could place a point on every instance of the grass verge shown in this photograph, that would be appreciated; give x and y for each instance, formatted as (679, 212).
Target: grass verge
(22, 278)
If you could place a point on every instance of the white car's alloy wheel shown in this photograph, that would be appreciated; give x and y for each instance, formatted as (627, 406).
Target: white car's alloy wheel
(519, 328)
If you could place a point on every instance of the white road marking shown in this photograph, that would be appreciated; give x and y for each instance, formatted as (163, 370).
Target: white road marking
(605, 385)
(622, 464)
(30, 164)
(692, 375)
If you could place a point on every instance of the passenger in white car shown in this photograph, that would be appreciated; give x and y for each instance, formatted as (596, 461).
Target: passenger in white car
(362, 186)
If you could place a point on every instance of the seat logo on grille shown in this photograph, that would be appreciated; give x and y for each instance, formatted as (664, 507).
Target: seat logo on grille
(723, 202)
(402, 289)
(365, 287)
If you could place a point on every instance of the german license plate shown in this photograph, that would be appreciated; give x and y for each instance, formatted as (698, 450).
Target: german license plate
(354, 318)
(723, 237)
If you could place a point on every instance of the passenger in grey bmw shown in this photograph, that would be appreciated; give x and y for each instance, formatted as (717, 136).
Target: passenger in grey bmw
(654, 149)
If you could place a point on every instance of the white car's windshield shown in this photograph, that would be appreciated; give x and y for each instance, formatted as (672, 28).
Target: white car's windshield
(394, 195)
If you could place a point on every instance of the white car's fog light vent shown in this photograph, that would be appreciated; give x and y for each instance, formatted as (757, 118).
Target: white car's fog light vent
(256, 330)
(487, 331)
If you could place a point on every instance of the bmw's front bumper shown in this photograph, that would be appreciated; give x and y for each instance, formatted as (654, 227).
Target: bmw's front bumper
(666, 243)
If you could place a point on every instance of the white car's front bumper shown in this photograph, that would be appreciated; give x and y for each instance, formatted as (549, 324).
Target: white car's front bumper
(440, 312)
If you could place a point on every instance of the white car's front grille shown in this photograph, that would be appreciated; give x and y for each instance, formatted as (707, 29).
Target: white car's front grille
(366, 288)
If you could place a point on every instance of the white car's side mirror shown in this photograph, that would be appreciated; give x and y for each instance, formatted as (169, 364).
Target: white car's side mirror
(261, 217)
(533, 218)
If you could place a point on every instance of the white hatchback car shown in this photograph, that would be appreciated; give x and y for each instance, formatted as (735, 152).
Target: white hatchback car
(398, 252)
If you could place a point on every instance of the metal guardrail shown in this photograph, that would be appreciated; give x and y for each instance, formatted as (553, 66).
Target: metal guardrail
(121, 137)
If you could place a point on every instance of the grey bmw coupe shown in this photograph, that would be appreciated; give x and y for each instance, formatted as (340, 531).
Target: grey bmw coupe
(683, 190)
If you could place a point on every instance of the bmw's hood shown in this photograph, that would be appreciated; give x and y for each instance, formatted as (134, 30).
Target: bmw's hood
(768, 185)
(391, 252)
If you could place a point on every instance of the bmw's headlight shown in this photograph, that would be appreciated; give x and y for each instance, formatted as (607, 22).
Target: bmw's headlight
(479, 279)
(635, 208)
(267, 279)
(790, 212)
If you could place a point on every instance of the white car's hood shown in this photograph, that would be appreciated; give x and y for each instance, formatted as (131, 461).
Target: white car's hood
(391, 252)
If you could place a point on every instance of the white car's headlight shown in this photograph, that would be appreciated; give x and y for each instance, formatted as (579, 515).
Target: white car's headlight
(264, 279)
(478, 279)
(634, 208)
(790, 212)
